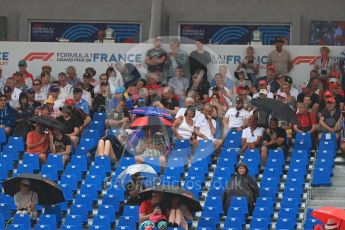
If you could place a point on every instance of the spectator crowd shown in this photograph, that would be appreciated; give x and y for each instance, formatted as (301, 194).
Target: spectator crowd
(204, 107)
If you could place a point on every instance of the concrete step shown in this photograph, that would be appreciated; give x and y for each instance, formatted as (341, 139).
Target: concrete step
(319, 203)
(338, 181)
(339, 170)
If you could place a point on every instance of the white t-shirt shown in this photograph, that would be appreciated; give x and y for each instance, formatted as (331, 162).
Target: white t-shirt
(65, 91)
(293, 91)
(250, 136)
(41, 96)
(235, 120)
(269, 95)
(205, 129)
(23, 200)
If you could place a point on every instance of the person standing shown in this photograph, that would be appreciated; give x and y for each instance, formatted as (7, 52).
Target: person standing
(156, 57)
(280, 58)
(199, 59)
(324, 66)
(176, 58)
(250, 64)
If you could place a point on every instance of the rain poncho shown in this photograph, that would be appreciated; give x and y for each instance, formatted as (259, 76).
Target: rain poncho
(241, 186)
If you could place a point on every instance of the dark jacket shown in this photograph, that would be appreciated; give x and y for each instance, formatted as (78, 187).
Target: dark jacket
(241, 186)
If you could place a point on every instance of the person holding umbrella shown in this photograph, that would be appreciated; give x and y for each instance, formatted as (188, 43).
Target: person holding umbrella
(331, 225)
(37, 142)
(26, 199)
(134, 187)
(60, 143)
(178, 213)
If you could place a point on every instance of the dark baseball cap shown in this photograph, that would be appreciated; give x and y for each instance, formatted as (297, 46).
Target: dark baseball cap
(22, 63)
(7, 89)
(30, 90)
(279, 40)
(87, 75)
(66, 109)
(239, 100)
(54, 88)
(77, 90)
(288, 79)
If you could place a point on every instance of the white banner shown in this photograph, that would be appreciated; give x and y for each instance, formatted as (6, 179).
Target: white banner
(101, 56)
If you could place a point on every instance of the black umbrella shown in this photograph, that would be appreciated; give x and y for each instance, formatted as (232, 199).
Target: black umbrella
(276, 109)
(186, 197)
(47, 121)
(48, 191)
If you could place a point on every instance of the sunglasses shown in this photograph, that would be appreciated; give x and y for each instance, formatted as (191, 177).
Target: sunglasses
(104, 84)
(37, 84)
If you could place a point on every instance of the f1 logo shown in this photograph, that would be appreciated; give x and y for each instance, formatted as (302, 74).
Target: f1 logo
(44, 56)
(305, 60)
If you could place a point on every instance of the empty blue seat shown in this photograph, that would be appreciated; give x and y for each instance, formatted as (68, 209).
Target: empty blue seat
(74, 220)
(262, 212)
(236, 212)
(197, 171)
(50, 171)
(260, 223)
(23, 219)
(195, 179)
(233, 223)
(56, 160)
(269, 181)
(229, 152)
(211, 211)
(214, 201)
(74, 170)
(252, 153)
(294, 183)
(174, 170)
(32, 159)
(91, 133)
(79, 210)
(54, 210)
(227, 162)
(99, 116)
(42, 227)
(97, 170)
(290, 203)
(16, 227)
(91, 190)
(103, 161)
(284, 223)
(70, 179)
(268, 192)
(18, 142)
(48, 220)
(131, 210)
(154, 163)
(85, 145)
(109, 210)
(127, 161)
(5, 210)
(293, 192)
(7, 161)
(67, 192)
(126, 221)
(193, 188)
(110, 199)
(118, 191)
(297, 173)
(70, 227)
(288, 213)
(266, 202)
(80, 160)
(209, 222)
(84, 199)
(225, 171)
(12, 151)
(103, 220)
(24, 168)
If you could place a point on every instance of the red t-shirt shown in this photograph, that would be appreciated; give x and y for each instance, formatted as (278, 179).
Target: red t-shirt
(34, 137)
(306, 121)
(146, 207)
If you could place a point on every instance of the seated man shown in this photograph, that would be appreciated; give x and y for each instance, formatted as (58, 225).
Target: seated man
(251, 136)
(236, 118)
(274, 138)
(168, 101)
(7, 115)
(119, 117)
(60, 143)
(330, 118)
(205, 126)
(70, 123)
(26, 199)
(37, 142)
(134, 187)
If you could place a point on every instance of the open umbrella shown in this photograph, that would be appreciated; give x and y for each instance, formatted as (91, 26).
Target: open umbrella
(48, 191)
(186, 197)
(152, 111)
(150, 122)
(276, 109)
(47, 121)
(149, 175)
(325, 213)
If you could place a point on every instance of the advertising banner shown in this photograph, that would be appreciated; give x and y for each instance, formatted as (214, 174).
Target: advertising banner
(234, 34)
(47, 31)
(101, 56)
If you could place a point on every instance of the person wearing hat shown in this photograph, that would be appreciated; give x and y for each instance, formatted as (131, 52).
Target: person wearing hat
(87, 86)
(269, 78)
(15, 92)
(37, 142)
(8, 91)
(32, 103)
(28, 78)
(330, 117)
(235, 118)
(263, 89)
(120, 94)
(331, 224)
(19, 81)
(306, 91)
(249, 188)
(80, 103)
(65, 88)
(26, 199)
(293, 91)
(242, 78)
(70, 123)
(280, 58)
(324, 66)
(115, 77)
(156, 57)
(71, 75)
(24, 113)
(46, 68)
(8, 115)
(278, 82)
(81, 118)
(53, 97)
(199, 59)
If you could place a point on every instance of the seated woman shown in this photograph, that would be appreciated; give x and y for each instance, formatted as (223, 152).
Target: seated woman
(151, 146)
(111, 145)
(183, 127)
(60, 143)
(178, 214)
(26, 199)
(248, 188)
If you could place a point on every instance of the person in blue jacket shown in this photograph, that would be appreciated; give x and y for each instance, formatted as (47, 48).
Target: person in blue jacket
(7, 115)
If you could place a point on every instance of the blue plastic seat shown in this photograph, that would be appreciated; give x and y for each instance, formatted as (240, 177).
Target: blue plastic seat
(7, 161)
(225, 172)
(74, 170)
(173, 171)
(54, 210)
(16, 227)
(233, 223)
(2, 221)
(91, 133)
(266, 202)
(24, 168)
(103, 220)
(71, 227)
(214, 201)
(118, 191)
(67, 192)
(12, 151)
(42, 227)
(33, 160)
(91, 190)
(260, 223)
(262, 212)
(109, 210)
(288, 213)
(236, 212)
(74, 220)
(131, 210)
(110, 199)
(56, 160)
(268, 192)
(239, 202)
(50, 171)
(290, 203)
(211, 211)
(269, 181)
(70, 180)
(85, 145)
(195, 179)
(79, 209)
(127, 161)
(284, 223)
(193, 188)
(252, 153)
(5, 210)
(197, 171)
(80, 160)
(209, 222)
(154, 163)
(214, 191)
(84, 199)
(99, 116)
(297, 173)
(18, 142)
(97, 170)
(228, 152)
(48, 220)
(96, 180)
(23, 219)
(103, 161)
(127, 221)
(293, 192)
